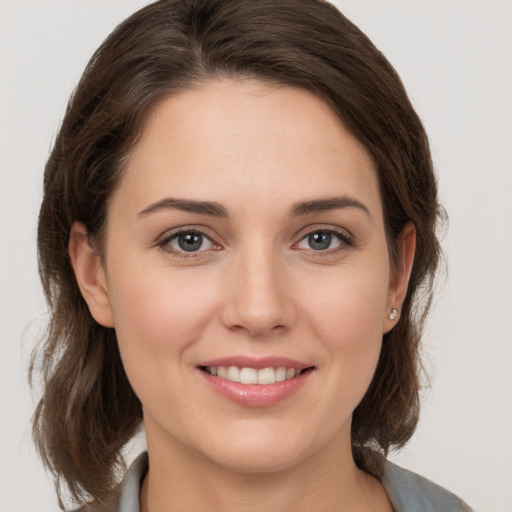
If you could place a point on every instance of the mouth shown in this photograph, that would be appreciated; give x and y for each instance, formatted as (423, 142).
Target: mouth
(261, 376)
(256, 382)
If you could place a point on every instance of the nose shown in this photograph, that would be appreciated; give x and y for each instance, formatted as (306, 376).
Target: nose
(258, 298)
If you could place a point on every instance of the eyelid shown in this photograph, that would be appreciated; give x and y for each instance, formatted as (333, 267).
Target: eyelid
(163, 241)
(329, 228)
(196, 228)
(344, 236)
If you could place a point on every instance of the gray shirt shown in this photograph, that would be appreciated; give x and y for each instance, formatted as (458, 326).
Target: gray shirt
(407, 491)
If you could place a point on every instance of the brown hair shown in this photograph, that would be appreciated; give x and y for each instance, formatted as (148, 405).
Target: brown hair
(88, 410)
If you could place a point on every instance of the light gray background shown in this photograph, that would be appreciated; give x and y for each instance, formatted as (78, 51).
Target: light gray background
(455, 57)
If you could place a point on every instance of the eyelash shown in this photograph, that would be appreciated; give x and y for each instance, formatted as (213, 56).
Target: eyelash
(345, 240)
(165, 243)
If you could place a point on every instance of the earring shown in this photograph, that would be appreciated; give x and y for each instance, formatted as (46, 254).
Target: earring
(393, 314)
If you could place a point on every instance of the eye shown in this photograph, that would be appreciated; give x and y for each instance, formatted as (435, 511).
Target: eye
(323, 240)
(188, 241)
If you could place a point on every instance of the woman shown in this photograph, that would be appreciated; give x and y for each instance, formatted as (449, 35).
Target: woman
(239, 215)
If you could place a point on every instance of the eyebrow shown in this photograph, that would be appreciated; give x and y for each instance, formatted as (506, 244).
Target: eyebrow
(186, 205)
(327, 204)
(217, 210)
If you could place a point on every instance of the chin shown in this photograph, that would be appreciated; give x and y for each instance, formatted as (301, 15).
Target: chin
(261, 450)
(256, 461)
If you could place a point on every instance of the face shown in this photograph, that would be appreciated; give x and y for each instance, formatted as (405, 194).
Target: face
(246, 242)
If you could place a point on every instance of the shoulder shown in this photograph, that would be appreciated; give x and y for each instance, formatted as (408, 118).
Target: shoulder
(413, 493)
(110, 504)
(125, 497)
(407, 491)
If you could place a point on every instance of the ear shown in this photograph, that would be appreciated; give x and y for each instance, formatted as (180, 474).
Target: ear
(90, 275)
(400, 274)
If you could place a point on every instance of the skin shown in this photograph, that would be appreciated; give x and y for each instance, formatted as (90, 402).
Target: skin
(256, 287)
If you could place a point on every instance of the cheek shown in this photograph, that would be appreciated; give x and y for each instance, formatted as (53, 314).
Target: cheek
(157, 314)
(158, 318)
(348, 309)
(346, 315)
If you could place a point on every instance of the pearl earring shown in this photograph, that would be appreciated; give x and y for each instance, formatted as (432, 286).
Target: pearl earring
(393, 314)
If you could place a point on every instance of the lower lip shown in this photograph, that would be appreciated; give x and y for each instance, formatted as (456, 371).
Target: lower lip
(257, 395)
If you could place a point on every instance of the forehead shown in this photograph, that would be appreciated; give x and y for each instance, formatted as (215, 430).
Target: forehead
(238, 140)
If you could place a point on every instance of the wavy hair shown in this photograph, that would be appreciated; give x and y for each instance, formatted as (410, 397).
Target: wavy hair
(88, 410)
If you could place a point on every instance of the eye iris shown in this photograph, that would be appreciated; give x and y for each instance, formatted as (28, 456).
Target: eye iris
(190, 241)
(320, 240)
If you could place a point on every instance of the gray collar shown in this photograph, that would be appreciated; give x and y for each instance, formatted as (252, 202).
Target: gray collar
(407, 491)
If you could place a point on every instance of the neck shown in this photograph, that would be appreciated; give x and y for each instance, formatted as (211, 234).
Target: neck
(179, 479)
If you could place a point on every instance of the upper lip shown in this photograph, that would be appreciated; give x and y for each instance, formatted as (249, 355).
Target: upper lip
(257, 362)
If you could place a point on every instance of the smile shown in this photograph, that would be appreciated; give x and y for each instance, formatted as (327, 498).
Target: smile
(247, 375)
(256, 382)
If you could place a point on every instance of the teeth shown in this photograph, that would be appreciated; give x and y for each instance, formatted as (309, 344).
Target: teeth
(280, 374)
(248, 376)
(253, 376)
(233, 374)
(267, 376)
